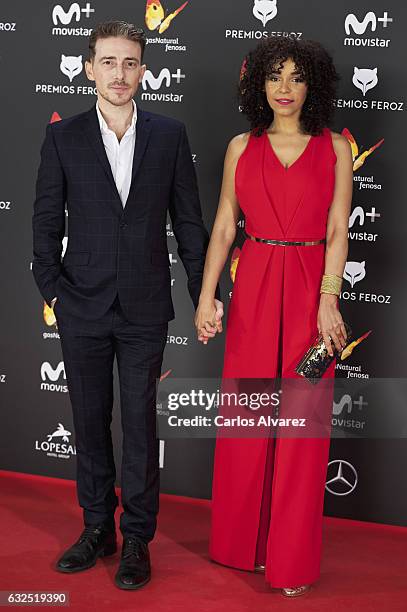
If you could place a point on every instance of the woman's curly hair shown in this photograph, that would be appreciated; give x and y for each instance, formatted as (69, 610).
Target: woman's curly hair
(315, 66)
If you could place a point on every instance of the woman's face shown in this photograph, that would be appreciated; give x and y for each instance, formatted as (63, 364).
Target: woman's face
(286, 91)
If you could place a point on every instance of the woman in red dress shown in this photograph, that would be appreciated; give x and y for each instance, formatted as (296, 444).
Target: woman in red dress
(292, 178)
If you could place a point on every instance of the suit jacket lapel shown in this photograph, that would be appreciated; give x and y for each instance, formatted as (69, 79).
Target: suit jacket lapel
(93, 133)
(143, 130)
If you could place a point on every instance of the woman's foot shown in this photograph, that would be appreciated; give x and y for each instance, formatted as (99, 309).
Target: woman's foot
(295, 591)
(260, 569)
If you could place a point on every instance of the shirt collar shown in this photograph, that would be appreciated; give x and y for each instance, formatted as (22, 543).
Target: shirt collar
(104, 128)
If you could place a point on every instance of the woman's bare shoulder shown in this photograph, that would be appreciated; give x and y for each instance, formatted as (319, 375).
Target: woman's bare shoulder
(237, 145)
(340, 143)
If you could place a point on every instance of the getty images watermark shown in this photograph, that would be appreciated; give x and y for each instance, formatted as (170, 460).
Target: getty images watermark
(288, 407)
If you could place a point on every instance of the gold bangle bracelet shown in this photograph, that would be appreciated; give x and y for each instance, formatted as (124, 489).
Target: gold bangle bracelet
(331, 283)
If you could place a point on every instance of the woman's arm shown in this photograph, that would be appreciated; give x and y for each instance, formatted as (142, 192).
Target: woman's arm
(330, 322)
(222, 238)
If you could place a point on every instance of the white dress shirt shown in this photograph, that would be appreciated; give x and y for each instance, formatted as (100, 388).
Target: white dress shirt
(120, 154)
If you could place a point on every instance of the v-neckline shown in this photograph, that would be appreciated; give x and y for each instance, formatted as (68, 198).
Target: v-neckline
(296, 160)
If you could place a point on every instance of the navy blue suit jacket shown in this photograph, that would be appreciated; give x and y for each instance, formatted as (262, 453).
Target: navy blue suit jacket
(112, 249)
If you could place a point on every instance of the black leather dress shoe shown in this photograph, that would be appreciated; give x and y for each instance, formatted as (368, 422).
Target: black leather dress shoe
(95, 541)
(134, 569)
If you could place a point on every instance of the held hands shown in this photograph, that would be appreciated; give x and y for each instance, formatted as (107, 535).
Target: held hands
(330, 323)
(208, 319)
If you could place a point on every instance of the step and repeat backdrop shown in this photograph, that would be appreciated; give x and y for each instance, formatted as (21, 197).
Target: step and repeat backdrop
(194, 53)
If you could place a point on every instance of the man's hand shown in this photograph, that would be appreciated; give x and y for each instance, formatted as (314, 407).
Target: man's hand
(208, 319)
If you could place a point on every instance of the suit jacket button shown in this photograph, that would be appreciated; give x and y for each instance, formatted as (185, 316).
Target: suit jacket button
(123, 225)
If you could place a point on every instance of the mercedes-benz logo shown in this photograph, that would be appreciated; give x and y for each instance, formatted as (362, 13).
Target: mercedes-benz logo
(344, 477)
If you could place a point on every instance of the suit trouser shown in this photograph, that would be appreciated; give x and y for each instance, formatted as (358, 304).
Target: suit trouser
(88, 349)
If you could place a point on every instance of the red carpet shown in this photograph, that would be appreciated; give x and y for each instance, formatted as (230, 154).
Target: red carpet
(364, 566)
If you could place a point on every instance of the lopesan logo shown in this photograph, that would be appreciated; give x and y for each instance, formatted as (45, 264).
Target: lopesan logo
(48, 373)
(57, 444)
(358, 27)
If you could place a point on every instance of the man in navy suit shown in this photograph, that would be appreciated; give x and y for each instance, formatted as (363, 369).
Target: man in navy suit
(119, 169)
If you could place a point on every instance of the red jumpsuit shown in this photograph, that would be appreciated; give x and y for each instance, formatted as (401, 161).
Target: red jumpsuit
(268, 493)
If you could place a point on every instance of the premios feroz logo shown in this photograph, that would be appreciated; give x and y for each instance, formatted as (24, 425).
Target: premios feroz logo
(71, 66)
(5, 205)
(354, 273)
(264, 11)
(365, 79)
(8, 26)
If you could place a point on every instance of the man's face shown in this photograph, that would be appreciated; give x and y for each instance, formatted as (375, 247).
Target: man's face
(116, 69)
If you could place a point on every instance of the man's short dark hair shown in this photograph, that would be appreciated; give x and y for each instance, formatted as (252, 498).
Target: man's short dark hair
(116, 28)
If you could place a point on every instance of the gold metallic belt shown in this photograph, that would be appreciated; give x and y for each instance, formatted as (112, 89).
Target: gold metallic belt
(286, 242)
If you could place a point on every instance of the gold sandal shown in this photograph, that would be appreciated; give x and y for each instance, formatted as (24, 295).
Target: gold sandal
(295, 591)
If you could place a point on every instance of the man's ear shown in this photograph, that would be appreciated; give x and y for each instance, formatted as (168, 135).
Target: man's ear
(89, 70)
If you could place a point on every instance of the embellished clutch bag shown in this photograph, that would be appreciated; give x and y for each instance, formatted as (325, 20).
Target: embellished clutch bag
(316, 360)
